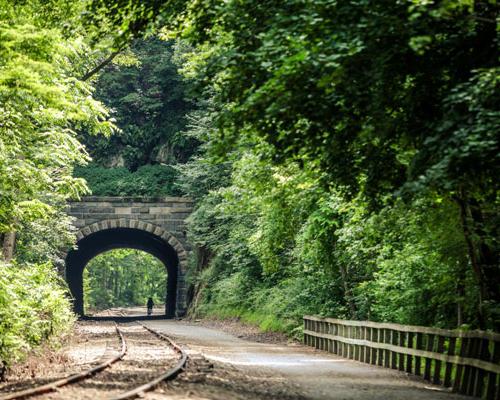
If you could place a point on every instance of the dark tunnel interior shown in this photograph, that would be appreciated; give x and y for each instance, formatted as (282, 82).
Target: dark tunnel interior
(101, 241)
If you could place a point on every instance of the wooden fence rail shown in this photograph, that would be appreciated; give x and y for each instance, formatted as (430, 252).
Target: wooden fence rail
(466, 362)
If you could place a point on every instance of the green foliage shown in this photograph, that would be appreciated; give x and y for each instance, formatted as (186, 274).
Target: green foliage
(148, 102)
(274, 244)
(413, 255)
(148, 99)
(148, 180)
(343, 155)
(34, 307)
(330, 115)
(42, 105)
(297, 74)
(281, 246)
(119, 21)
(124, 277)
(46, 238)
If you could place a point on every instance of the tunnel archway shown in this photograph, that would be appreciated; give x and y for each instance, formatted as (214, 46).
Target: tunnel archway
(103, 237)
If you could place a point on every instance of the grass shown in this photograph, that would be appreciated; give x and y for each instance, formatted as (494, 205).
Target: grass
(264, 321)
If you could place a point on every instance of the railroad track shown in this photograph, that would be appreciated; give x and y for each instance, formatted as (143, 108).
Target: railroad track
(167, 375)
(138, 391)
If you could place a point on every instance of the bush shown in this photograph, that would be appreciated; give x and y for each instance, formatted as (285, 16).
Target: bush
(34, 307)
(148, 180)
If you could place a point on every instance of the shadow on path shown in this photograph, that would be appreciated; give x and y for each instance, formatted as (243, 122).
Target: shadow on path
(127, 318)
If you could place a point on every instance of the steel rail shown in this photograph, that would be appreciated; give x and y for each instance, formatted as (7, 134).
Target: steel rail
(169, 374)
(53, 386)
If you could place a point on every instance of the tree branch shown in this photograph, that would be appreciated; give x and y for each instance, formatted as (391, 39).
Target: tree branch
(483, 19)
(100, 66)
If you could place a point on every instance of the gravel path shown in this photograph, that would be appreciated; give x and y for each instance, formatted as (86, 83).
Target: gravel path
(289, 370)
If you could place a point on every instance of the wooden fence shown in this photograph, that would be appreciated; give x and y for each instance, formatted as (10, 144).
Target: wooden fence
(466, 362)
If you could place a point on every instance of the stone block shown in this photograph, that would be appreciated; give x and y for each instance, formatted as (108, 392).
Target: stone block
(166, 216)
(100, 217)
(181, 215)
(123, 210)
(76, 210)
(100, 210)
(103, 225)
(179, 204)
(79, 216)
(90, 199)
(160, 210)
(90, 221)
(178, 247)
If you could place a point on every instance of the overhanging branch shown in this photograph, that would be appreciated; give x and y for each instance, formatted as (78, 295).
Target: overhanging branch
(101, 65)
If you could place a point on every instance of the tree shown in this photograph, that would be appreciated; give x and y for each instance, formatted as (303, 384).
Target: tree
(388, 101)
(391, 98)
(43, 105)
(148, 99)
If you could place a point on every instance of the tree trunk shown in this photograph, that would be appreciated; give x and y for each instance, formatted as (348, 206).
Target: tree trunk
(203, 257)
(460, 303)
(481, 256)
(8, 246)
(348, 292)
(101, 65)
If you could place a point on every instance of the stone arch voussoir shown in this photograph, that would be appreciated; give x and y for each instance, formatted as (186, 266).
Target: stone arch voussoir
(136, 224)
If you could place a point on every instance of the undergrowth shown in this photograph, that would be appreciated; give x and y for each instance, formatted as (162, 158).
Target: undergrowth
(34, 307)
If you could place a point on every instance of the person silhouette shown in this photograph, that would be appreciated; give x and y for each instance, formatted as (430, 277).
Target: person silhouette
(150, 305)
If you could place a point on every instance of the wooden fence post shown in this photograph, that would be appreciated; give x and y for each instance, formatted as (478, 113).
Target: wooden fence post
(428, 346)
(409, 357)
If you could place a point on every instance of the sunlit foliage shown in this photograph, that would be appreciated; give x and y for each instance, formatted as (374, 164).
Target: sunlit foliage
(124, 277)
(43, 104)
(148, 180)
(33, 308)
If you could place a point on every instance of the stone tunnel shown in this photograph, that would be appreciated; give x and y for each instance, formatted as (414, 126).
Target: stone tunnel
(154, 225)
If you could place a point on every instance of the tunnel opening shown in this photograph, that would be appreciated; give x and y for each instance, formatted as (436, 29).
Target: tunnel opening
(116, 238)
(123, 280)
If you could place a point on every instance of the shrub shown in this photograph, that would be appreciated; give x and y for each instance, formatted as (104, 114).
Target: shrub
(34, 307)
(148, 180)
